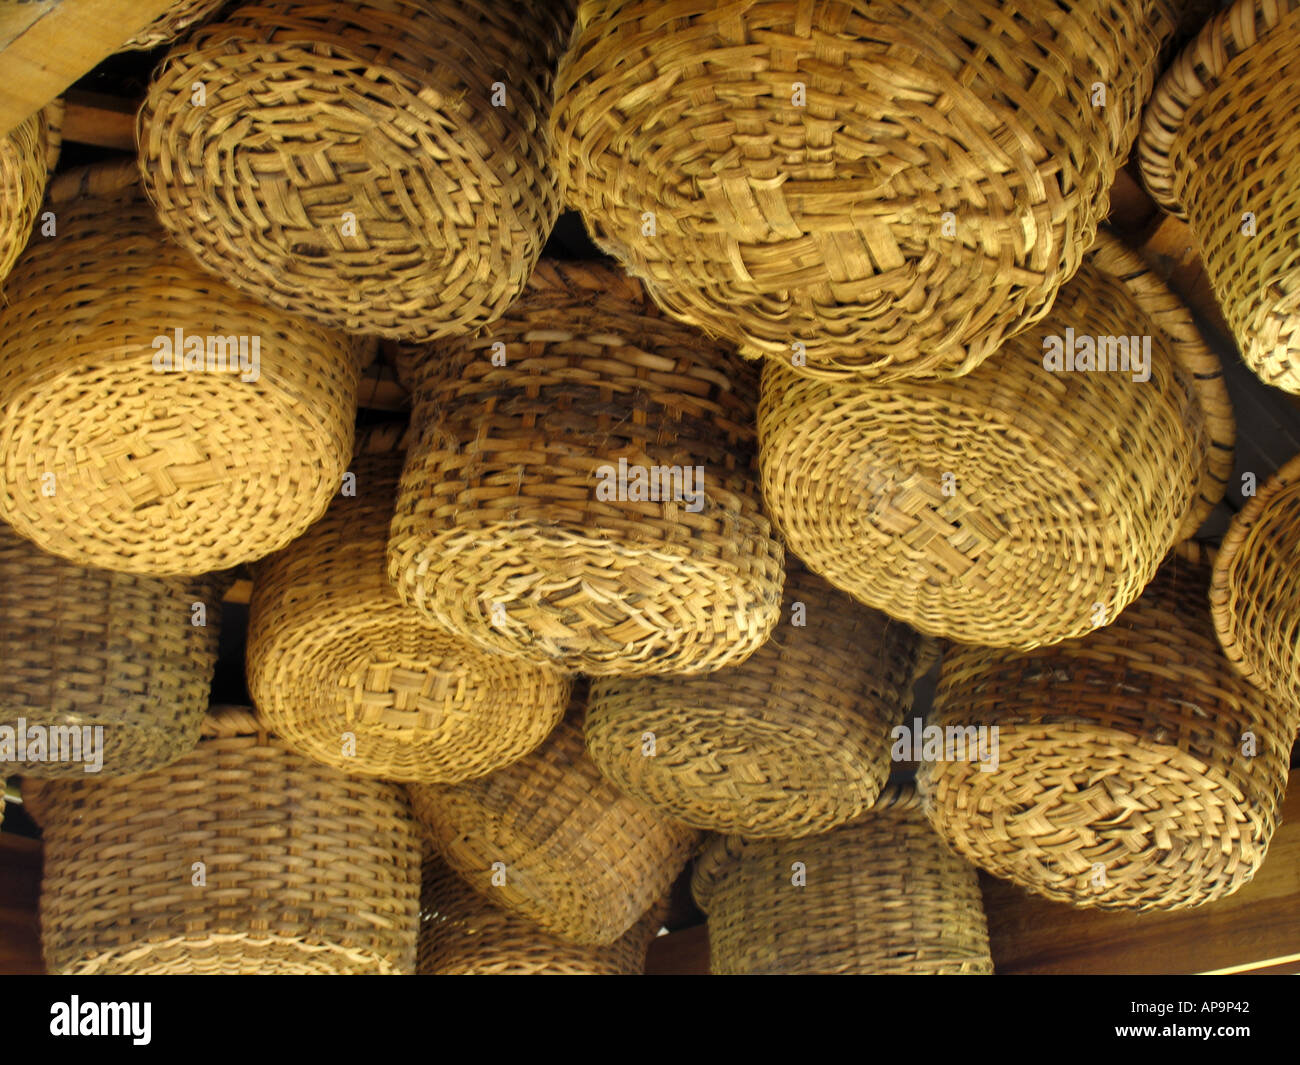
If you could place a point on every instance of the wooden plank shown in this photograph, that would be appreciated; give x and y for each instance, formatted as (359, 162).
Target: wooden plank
(1256, 928)
(684, 953)
(239, 592)
(20, 891)
(98, 119)
(65, 40)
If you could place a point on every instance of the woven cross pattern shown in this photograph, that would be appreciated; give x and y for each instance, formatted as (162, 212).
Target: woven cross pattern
(502, 532)
(792, 741)
(349, 676)
(112, 458)
(896, 188)
(1215, 149)
(305, 870)
(380, 167)
(566, 849)
(28, 153)
(1135, 771)
(176, 20)
(85, 648)
(1002, 507)
(880, 896)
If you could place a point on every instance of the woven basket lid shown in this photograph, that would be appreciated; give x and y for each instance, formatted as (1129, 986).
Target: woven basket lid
(351, 677)
(1131, 770)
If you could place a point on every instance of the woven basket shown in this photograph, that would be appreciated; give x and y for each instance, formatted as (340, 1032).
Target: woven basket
(880, 896)
(1255, 593)
(111, 462)
(28, 155)
(1214, 149)
(939, 182)
(1016, 506)
(793, 741)
(1123, 778)
(550, 840)
(347, 675)
(86, 648)
(306, 871)
(505, 528)
(349, 163)
(173, 22)
(462, 934)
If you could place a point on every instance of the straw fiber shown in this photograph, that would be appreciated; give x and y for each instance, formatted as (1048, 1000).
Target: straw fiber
(28, 155)
(176, 20)
(511, 527)
(880, 896)
(347, 675)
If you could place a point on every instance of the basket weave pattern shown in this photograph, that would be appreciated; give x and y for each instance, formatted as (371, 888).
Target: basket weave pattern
(332, 651)
(173, 22)
(306, 870)
(882, 896)
(501, 533)
(792, 741)
(349, 164)
(109, 461)
(824, 224)
(1123, 780)
(27, 155)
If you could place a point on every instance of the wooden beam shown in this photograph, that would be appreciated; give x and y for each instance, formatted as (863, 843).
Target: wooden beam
(684, 953)
(62, 41)
(99, 119)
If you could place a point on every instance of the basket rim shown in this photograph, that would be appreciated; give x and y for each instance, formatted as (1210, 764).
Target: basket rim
(1193, 73)
(1230, 548)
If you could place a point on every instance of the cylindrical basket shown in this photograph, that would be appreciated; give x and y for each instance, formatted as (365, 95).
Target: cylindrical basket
(549, 839)
(1217, 149)
(582, 489)
(462, 934)
(347, 675)
(28, 155)
(100, 672)
(153, 419)
(1131, 769)
(173, 22)
(884, 189)
(1027, 502)
(241, 858)
(382, 166)
(1255, 593)
(791, 742)
(880, 896)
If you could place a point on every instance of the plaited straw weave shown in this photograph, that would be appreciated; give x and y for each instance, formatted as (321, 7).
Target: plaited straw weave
(504, 529)
(1217, 145)
(173, 22)
(880, 896)
(348, 676)
(1135, 770)
(940, 182)
(578, 857)
(1015, 506)
(307, 871)
(28, 155)
(83, 648)
(349, 163)
(462, 934)
(791, 742)
(109, 459)
(1255, 593)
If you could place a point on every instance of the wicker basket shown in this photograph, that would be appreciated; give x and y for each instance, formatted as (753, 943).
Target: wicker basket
(28, 155)
(1255, 593)
(109, 459)
(380, 166)
(793, 741)
(1015, 506)
(347, 675)
(1124, 775)
(303, 870)
(940, 180)
(462, 934)
(1215, 150)
(85, 648)
(880, 896)
(512, 525)
(176, 20)
(552, 841)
